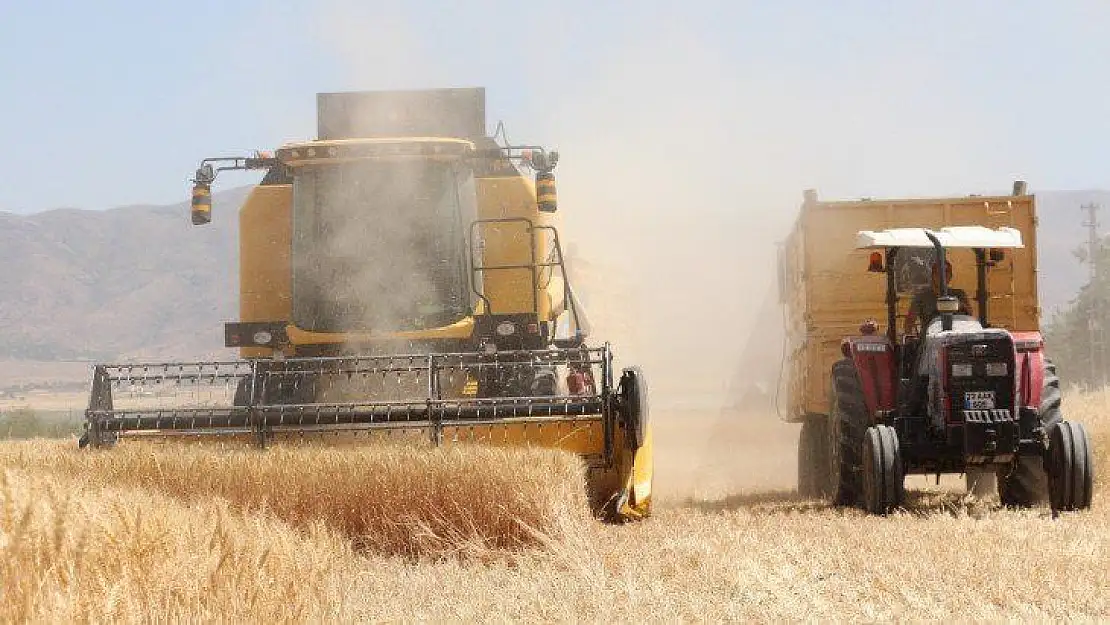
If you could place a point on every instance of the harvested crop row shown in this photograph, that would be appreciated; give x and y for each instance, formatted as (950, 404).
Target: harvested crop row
(390, 499)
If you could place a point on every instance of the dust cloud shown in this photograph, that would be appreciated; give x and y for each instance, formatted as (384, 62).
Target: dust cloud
(682, 166)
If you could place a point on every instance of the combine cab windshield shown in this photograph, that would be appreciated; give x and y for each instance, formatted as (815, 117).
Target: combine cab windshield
(380, 246)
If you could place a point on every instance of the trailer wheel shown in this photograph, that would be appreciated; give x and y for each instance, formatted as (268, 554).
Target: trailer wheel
(1069, 467)
(847, 423)
(813, 458)
(1025, 483)
(883, 473)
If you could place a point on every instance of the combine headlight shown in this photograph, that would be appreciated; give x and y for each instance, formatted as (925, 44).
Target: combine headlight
(262, 337)
(997, 369)
(963, 370)
(490, 348)
(506, 328)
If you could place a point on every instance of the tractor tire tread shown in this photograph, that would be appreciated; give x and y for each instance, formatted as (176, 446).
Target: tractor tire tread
(1070, 474)
(1026, 483)
(850, 415)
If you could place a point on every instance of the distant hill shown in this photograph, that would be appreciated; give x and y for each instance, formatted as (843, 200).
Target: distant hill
(140, 282)
(136, 281)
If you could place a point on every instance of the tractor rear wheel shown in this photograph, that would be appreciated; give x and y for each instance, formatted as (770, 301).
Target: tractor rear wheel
(1069, 467)
(1025, 483)
(883, 473)
(847, 423)
(813, 458)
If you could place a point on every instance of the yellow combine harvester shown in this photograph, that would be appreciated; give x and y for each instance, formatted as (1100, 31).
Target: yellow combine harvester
(401, 273)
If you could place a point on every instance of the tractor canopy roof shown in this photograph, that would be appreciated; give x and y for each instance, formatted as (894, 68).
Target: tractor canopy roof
(952, 236)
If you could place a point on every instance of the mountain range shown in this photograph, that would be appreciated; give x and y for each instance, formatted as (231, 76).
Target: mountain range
(139, 282)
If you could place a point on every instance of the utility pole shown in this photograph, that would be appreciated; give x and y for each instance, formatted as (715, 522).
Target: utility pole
(1096, 344)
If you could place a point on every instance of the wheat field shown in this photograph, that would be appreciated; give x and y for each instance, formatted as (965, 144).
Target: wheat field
(145, 533)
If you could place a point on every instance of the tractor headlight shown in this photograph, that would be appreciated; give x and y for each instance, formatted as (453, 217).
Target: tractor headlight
(997, 369)
(506, 328)
(963, 370)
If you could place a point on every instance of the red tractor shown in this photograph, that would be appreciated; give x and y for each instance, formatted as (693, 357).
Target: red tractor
(955, 395)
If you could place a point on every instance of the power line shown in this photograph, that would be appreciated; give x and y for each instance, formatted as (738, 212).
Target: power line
(1095, 335)
(1092, 236)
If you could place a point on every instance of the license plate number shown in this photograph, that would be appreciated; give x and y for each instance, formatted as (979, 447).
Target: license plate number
(979, 400)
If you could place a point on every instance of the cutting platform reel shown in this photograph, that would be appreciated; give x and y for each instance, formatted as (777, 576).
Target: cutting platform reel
(559, 398)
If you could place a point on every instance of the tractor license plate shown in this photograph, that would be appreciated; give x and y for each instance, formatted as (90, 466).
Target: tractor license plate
(979, 400)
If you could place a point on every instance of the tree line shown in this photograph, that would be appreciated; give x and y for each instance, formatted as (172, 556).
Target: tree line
(1076, 337)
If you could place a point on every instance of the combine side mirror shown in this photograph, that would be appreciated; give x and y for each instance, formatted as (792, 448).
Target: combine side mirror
(202, 204)
(545, 191)
(875, 263)
(543, 162)
(202, 195)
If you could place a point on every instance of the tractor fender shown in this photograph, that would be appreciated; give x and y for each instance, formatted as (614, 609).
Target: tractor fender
(1029, 365)
(873, 357)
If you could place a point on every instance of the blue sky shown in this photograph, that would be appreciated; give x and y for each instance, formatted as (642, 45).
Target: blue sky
(113, 102)
(688, 130)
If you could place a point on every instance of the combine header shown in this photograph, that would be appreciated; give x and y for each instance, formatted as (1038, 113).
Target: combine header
(400, 277)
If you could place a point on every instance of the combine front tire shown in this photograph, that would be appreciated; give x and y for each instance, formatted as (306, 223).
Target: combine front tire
(883, 474)
(847, 424)
(623, 491)
(1069, 467)
(813, 458)
(634, 405)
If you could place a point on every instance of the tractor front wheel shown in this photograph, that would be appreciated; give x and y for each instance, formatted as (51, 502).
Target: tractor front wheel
(883, 474)
(1069, 467)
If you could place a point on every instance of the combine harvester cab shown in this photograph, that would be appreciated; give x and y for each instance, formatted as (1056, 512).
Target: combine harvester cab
(400, 278)
(966, 389)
